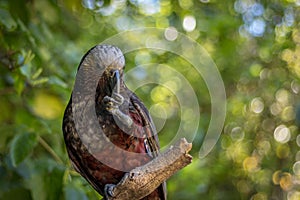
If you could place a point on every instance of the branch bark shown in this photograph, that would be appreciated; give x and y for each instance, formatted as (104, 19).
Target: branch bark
(142, 180)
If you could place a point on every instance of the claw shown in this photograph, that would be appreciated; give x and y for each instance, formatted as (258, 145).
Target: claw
(118, 98)
(113, 103)
(108, 190)
(110, 101)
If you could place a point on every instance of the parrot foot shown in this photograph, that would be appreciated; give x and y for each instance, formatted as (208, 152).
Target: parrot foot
(108, 191)
(112, 105)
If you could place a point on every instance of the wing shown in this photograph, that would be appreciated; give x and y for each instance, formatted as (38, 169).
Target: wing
(152, 141)
(76, 150)
(147, 123)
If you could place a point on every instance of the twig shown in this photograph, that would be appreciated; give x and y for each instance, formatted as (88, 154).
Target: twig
(50, 150)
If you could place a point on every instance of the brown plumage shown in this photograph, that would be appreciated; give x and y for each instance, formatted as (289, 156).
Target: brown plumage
(107, 129)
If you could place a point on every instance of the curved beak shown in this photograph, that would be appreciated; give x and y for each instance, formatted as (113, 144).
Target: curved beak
(116, 80)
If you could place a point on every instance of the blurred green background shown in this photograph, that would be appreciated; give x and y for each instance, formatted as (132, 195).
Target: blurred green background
(255, 45)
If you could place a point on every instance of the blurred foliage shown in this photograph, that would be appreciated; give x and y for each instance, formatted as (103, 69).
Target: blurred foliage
(255, 44)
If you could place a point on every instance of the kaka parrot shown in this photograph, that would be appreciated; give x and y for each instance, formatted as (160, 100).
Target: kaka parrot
(107, 129)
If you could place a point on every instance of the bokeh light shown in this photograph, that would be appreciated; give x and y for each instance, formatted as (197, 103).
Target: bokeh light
(143, 57)
(282, 134)
(189, 23)
(250, 164)
(275, 109)
(296, 168)
(263, 147)
(47, 106)
(283, 96)
(298, 140)
(295, 86)
(159, 116)
(276, 177)
(293, 195)
(282, 151)
(237, 133)
(286, 181)
(252, 13)
(288, 114)
(171, 33)
(257, 18)
(257, 105)
(259, 196)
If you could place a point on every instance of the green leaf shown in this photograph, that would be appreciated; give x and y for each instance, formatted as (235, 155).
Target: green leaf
(46, 182)
(19, 85)
(7, 20)
(57, 81)
(36, 183)
(16, 193)
(29, 57)
(26, 70)
(37, 73)
(39, 81)
(21, 146)
(74, 192)
(53, 182)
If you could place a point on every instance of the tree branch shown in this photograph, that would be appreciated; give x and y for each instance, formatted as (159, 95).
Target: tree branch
(142, 180)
